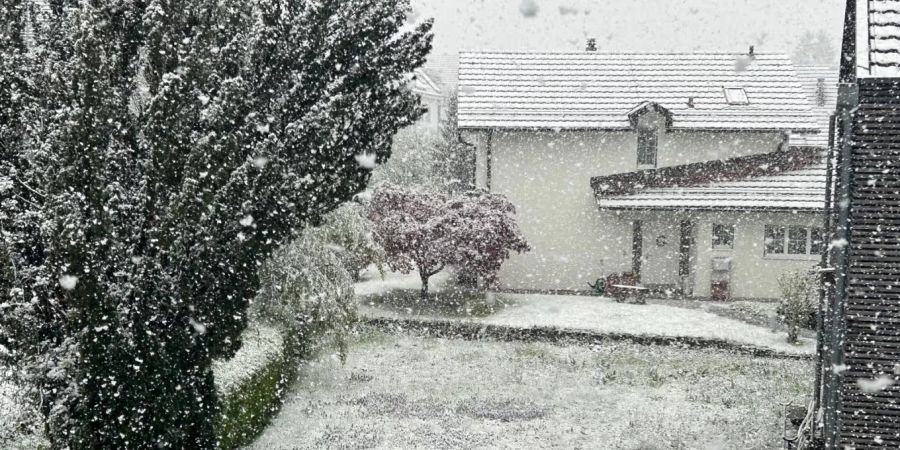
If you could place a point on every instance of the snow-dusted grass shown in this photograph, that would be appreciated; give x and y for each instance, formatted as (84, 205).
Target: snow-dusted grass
(593, 314)
(262, 345)
(606, 316)
(372, 282)
(411, 392)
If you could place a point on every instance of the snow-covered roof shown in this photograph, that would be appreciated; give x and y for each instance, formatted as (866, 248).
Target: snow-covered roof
(797, 190)
(443, 68)
(590, 90)
(878, 38)
(424, 85)
(795, 180)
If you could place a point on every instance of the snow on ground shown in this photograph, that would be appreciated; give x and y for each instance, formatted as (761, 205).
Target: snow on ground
(601, 315)
(606, 316)
(262, 344)
(410, 392)
(374, 284)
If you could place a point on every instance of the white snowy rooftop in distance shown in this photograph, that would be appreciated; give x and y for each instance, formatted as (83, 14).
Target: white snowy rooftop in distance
(590, 90)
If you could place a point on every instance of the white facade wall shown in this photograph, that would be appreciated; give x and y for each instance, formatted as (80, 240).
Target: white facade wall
(547, 176)
(436, 111)
(753, 275)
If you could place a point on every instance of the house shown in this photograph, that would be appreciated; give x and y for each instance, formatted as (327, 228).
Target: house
(433, 97)
(702, 173)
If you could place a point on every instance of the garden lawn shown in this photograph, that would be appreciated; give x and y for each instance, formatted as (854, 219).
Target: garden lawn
(603, 315)
(404, 391)
(581, 313)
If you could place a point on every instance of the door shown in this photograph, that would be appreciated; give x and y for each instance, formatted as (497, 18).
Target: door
(661, 253)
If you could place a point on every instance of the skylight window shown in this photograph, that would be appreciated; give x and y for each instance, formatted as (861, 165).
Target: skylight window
(736, 96)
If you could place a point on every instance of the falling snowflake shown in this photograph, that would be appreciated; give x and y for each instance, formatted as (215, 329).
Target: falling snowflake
(68, 282)
(528, 8)
(742, 63)
(198, 327)
(875, 385)
(568, 10)
(839, 243)
(366, 160)
(260, 162)
(247, 220)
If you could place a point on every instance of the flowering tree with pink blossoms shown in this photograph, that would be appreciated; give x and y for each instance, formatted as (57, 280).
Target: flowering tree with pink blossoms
(426, 232)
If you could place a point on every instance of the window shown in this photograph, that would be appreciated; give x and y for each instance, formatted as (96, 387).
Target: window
(736, 96)
(774, 240)
(797, 237)
(722, 236)
(794, 241)
(817, 241)
(648, 140)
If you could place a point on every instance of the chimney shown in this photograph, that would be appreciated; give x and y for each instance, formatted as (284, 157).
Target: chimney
(821, 95)
(752, 52)
(591, 45)
(691, 102)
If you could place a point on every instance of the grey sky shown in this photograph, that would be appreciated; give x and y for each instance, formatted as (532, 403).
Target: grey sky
(629, 25)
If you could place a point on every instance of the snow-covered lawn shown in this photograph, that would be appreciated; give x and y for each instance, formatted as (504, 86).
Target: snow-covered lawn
(595, 314)
(372, 283)
(399, 391)
(606, 316)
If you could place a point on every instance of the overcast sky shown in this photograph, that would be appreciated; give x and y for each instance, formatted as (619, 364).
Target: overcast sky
(628, 25)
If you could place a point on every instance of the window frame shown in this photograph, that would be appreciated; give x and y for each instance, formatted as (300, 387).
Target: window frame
(786, 242)
(728, 246)
(743, 99)
(647, 144)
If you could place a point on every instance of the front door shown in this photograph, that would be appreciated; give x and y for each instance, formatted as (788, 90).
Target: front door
(661, 253)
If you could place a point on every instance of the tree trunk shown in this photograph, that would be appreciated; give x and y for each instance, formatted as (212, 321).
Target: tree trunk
(424, 276)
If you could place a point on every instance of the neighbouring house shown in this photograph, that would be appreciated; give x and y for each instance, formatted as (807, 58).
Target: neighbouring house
(704, 174)
(433, 97)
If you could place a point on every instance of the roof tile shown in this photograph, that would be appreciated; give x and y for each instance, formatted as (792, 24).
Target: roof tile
(588, 90)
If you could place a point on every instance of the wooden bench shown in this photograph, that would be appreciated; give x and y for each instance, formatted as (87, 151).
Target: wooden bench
(622, 292)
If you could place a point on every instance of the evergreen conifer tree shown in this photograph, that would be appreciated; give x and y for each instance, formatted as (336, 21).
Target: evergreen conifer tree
(154, 153)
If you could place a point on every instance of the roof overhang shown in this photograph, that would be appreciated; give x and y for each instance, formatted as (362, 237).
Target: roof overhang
(625, 127)
(787, 180)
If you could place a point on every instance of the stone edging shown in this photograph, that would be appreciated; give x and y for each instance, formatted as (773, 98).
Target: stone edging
(478, 331)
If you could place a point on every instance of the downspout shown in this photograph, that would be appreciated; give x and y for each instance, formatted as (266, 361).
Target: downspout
(826, 272)
(848, 100)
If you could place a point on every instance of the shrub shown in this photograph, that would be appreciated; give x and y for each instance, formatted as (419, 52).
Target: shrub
(798, 302)
(306, 290)
(352, 235)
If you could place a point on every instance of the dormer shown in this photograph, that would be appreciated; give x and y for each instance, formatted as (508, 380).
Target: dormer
(649, 120)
